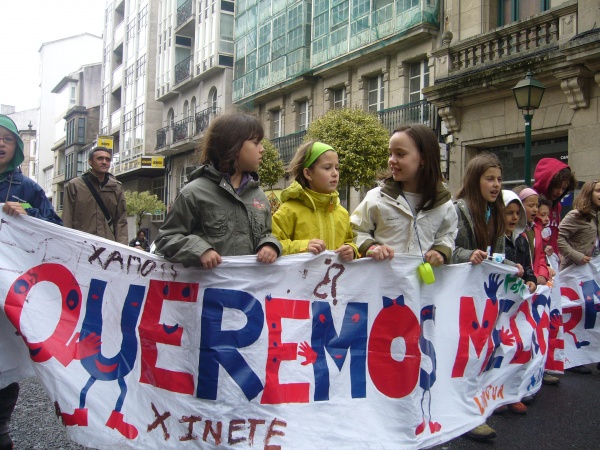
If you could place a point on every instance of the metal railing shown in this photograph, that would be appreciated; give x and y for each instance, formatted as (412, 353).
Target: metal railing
(181, 129)
(183, 70)
(416, 112)
(204, 118)
(184, 12)
(161, 137)
(288, 144)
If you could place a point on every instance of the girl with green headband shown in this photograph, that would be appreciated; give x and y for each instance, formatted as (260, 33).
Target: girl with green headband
(311, 218)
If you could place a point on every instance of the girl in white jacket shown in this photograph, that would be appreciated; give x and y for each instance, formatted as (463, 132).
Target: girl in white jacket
(411, 206)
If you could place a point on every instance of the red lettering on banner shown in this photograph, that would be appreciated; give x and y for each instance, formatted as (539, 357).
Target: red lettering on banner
(216, 434)
(57, 344)
(471, 330)
(523, 353)
(236, 425)
(395, 379)
(274, 392)
(153, 332)
(575, 312)
(273, 432)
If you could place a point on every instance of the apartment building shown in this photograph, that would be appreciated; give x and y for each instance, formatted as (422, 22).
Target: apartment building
(194, 79)
(488, 47)
(296, 60)
(129, 111)
(76, 126)
(57, 58)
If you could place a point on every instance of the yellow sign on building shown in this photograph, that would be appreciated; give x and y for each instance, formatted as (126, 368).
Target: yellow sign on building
(153, 161)
(106, 142)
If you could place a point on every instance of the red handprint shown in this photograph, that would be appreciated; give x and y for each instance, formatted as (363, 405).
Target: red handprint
(555, 321)
(307, 352)
(506, 337)
(76, 349)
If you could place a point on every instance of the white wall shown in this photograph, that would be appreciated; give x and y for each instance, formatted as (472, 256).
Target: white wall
(58, 58)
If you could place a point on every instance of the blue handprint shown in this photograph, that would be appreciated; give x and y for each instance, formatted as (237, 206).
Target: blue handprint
(491, 288)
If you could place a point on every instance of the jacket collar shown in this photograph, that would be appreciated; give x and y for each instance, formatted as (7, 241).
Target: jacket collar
(311, 199)
(393, 189)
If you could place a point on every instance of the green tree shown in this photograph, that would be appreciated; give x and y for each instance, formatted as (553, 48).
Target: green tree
(142, 203)
(360, 140)
(271, 168)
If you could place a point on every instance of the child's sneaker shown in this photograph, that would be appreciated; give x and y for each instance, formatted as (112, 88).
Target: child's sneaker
(550, 380)
(517, 408)
(481, 433)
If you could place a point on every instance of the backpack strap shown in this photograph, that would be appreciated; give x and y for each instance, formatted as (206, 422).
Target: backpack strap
(109, 219)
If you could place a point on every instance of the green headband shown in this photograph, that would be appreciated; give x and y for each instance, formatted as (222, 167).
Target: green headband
(317, 149)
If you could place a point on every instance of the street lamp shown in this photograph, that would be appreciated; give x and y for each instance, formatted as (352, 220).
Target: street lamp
(528, 95)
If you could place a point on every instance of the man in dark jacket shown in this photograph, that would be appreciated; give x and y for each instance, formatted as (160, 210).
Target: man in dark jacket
(82, 212)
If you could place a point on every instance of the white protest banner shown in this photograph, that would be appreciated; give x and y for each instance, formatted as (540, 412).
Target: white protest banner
(136, 352)
(580, 290)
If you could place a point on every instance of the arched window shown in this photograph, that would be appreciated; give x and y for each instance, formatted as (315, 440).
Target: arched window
(193, 106)
(186, 109)
(212, 100)
(171, 117)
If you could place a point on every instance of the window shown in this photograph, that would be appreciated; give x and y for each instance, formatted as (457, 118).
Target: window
(512, 10)
(81, 130)
(129, 39)
(138, 129)
(70, 168)
(104, 113)
(72, 98)
(140, 76)
(339, 98)
(158, 189)
(48, 174)
(226, 31)
(142, 27)
(375, 94)
(70, 133)
(418, 79)
(276, 123)
(129, 85)
(303, 119)
(127, 135)
(212, 100)
(82, 162)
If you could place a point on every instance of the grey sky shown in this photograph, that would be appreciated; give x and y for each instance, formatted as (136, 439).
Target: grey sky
(26, 25)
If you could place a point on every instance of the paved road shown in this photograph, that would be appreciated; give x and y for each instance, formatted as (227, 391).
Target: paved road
(563, 417)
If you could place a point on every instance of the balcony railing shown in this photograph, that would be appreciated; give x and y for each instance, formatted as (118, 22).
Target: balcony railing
(510, 41)
(288, 144)
(183, 70)
(161, 137)
(181, 129)
(204, 118)
(415, 112)
(184, 12)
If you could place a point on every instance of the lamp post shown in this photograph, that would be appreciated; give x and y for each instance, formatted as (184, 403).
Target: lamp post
(528, 95)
